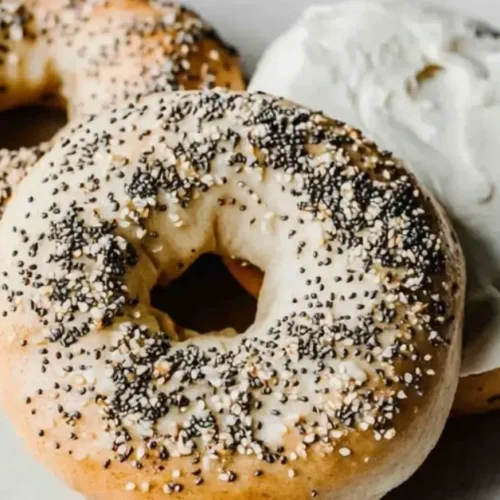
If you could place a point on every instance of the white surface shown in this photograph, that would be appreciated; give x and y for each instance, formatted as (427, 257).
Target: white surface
(358, 61)
(465, 466)
(21, 477)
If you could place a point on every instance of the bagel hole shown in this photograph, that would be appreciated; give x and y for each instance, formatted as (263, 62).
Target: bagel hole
(206, 298)
(479, 315)
(29, 126)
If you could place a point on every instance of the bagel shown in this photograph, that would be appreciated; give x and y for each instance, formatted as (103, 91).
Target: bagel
(91, 55)
(478, 394)
(339, 389)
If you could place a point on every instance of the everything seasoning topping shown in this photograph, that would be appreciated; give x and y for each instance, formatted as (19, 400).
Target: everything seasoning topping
(353, 331)
(161, 47)
(13, 167)
(91, 261)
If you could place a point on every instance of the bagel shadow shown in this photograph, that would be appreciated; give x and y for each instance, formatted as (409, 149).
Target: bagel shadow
(457, 469)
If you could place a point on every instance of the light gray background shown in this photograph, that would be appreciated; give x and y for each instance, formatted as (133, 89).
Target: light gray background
(466, 463)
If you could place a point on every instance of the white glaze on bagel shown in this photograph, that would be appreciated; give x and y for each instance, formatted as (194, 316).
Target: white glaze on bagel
(92, 55)
(341, 386)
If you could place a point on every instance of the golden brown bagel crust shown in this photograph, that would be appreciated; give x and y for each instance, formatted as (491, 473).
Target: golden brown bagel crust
(92, 55)
(247, 275)
(478, 393)
(340, 388)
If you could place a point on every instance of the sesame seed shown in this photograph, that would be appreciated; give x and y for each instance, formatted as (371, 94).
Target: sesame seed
(130, 487)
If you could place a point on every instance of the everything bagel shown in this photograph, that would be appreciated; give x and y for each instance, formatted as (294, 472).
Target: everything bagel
(339, 389)
(90, 55)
